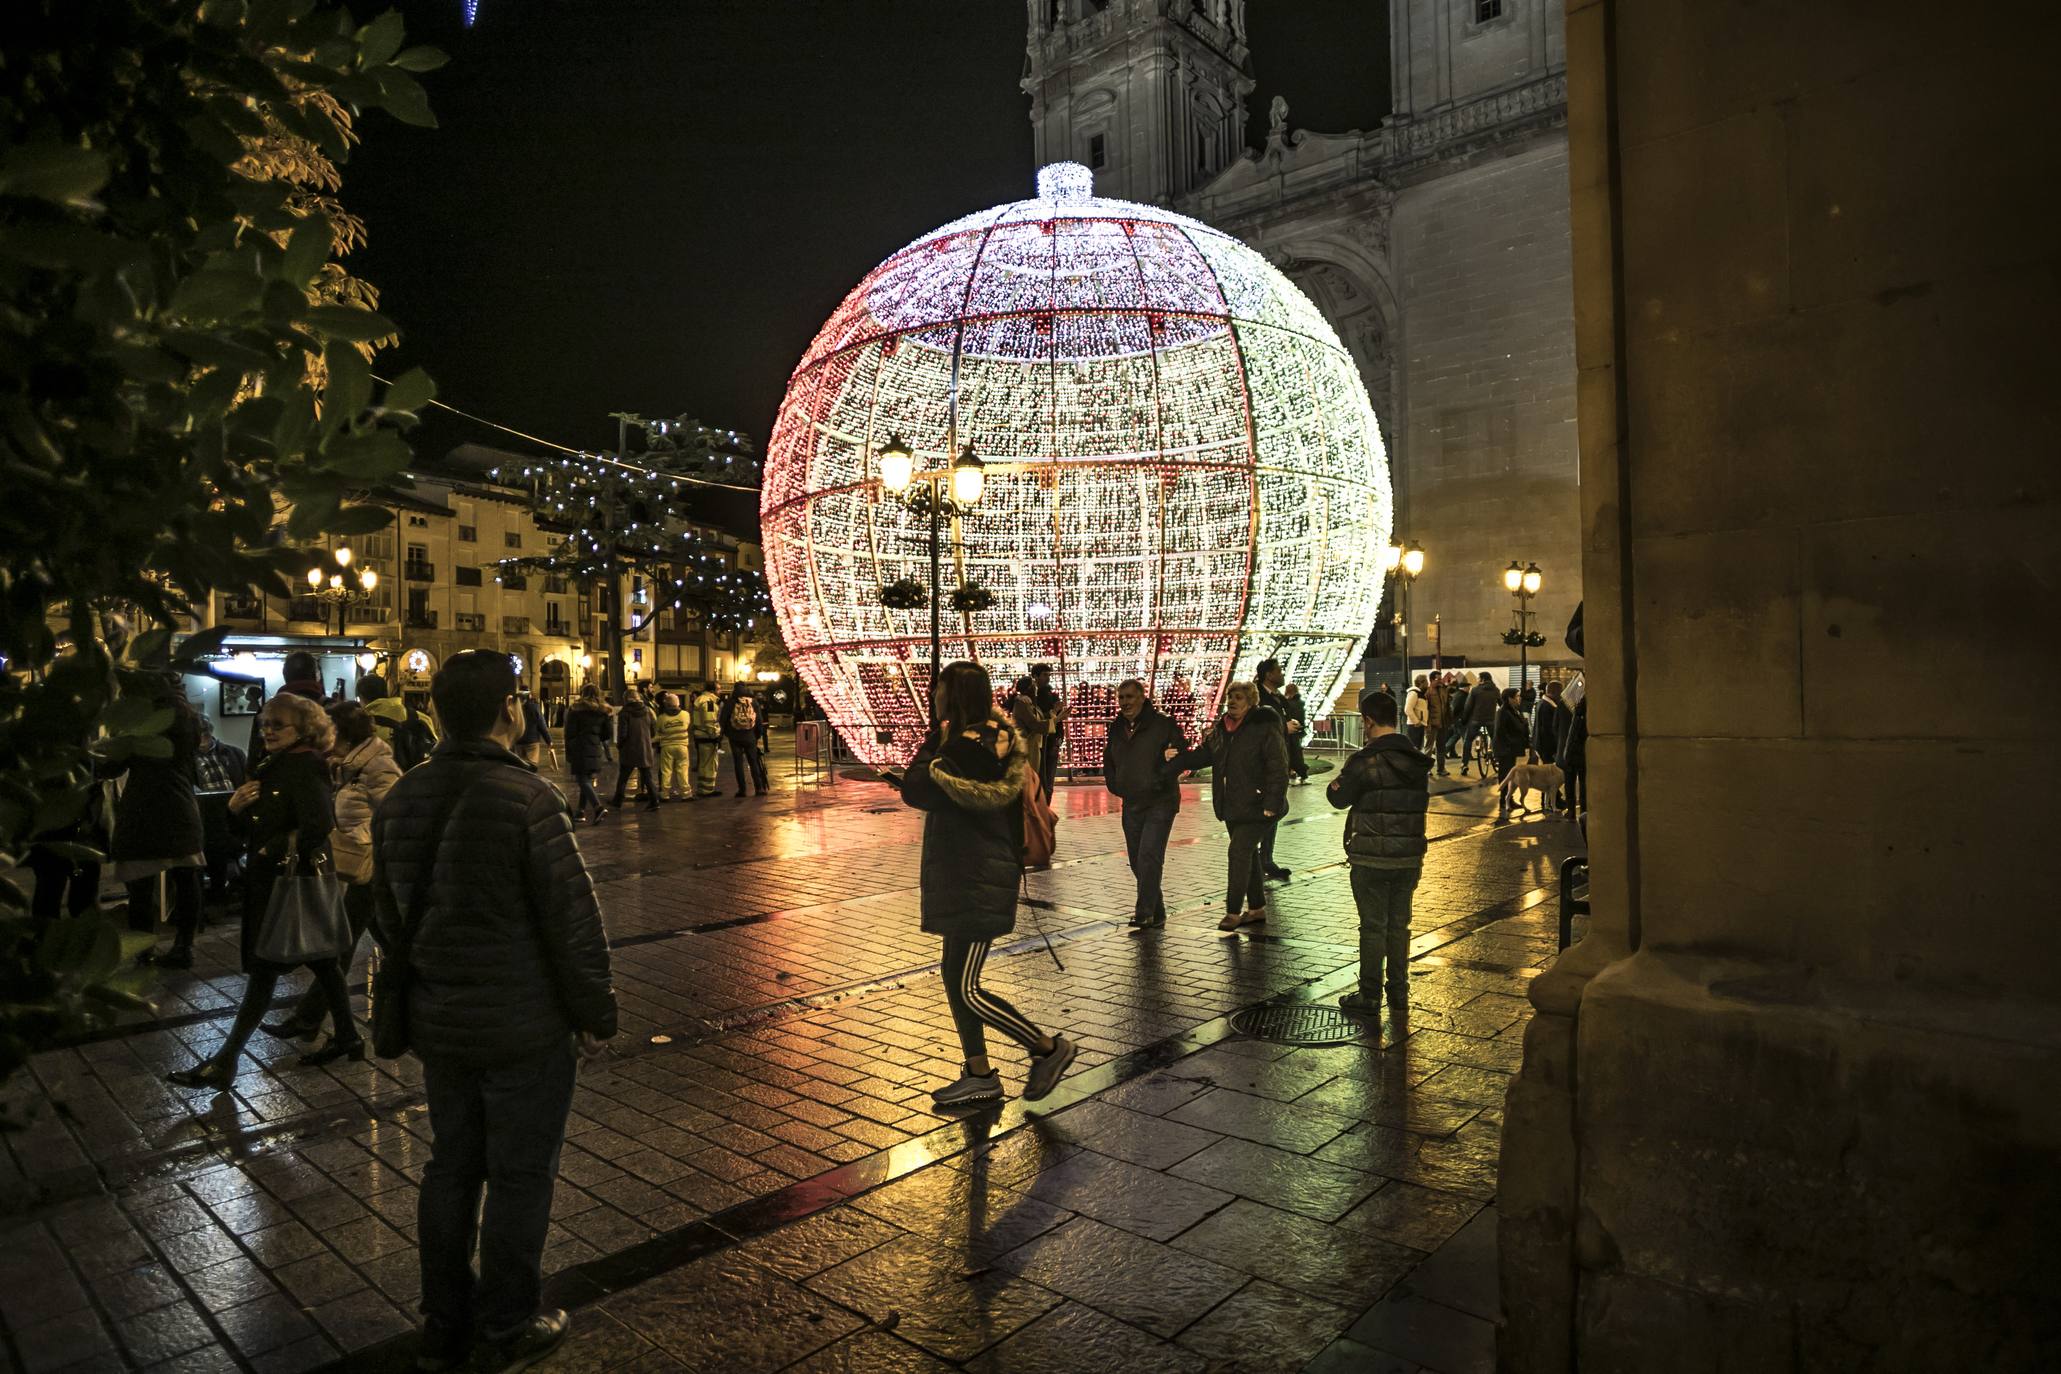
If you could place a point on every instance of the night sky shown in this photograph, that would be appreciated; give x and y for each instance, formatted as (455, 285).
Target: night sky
(652, 205)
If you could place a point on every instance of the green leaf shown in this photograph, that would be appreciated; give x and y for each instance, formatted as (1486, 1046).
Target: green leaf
(307, 249)
(312, 512)
(412, 390)
(421, 59)
(359, 520)
(195, 647)
(216, 293)
(350, 384)
(63, 245)
(368, 455)
(60, 172)
(148, 647)
(403, 97)
(380, 39)
(349, 322)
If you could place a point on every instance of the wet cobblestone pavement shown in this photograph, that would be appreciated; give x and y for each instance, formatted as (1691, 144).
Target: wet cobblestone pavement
(754, 1178)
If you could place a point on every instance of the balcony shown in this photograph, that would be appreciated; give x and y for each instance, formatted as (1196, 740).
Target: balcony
(238, 606)
(422, 620)
(513, 582)
(554, 586)
(419, 572)
(561, 628)
(469, 620)
(366, 615)
(515, 624)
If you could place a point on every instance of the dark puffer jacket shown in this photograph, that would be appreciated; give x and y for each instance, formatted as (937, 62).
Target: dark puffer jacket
(157, 816)
(1383, 786)
(586, 737)
(511, 957)
(1249, 767)
(972, 831)
(1134, 764)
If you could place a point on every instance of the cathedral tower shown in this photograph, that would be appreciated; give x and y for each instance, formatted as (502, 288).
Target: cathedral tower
(1148, 93)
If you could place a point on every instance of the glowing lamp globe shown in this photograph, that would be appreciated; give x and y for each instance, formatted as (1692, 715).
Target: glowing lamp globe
(1182, 471)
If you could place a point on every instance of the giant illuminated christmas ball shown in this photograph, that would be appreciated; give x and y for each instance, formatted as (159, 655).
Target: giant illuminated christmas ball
(1183, 471)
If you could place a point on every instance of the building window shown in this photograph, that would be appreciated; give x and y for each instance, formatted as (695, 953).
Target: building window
(466, 577)
(1485, 10)
(1098, 152)
(418, 522)
(512, 538)
(468, 534)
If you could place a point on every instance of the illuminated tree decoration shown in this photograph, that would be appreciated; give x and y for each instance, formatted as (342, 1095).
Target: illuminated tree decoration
(1183, 470)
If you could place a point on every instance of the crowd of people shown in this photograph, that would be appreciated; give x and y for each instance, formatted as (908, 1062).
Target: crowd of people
(461, 860)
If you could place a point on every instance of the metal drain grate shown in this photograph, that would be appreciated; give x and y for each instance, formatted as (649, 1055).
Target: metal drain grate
(1297, 1024)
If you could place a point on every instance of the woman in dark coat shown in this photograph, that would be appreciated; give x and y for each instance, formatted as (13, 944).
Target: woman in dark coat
(968, 779)
(633, 750)
(1247, 751)
(159, 847)
(586, 748)
(285, 802)
(1512, 737)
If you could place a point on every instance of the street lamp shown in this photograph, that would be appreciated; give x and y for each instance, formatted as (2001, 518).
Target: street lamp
(946, 493)
(343, 586)
(1405, 562)
(1523, 582)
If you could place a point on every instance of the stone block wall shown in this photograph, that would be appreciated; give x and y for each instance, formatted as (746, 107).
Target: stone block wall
(1481, 262)
(1791, 1105)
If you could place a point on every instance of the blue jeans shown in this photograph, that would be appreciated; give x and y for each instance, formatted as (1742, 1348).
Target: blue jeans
(497, 1129)
(1146, 829)
(1383, 898)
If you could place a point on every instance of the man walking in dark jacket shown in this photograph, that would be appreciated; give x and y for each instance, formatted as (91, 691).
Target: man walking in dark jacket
(1480, 715)
(1383, 791)
(509, 983)
(1134, 768)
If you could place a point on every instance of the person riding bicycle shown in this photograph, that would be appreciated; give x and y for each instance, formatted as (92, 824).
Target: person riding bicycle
(1481, 719)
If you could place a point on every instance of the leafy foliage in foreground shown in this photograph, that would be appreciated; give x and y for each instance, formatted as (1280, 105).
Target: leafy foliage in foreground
(181, 357)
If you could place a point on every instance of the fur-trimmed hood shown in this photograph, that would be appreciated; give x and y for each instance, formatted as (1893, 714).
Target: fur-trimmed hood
(986, 794)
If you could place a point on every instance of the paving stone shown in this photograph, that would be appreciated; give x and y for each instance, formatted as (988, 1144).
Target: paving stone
(1149, 1141)
(1399, 1106)
(1017, 1157)
(1286, 1125)
(961, 1211)
(1347, 1356)
(360, 1319)
(808, 1247)
(1154, 1205)
(269, 1323)
(1294, 1182)
(317, 1279)
(1138, 1281)
(724, 1312)
(1421, 1218)
(311, 1353)
(57, 1342)
(1349, 1268)
(1264, 1328)
(163, 1332)
(934, 1297)
(132, 1291)
(1462, 1274)
(1432, 1334)
(230, 1284)
(871, 1352)
(1073, 1337)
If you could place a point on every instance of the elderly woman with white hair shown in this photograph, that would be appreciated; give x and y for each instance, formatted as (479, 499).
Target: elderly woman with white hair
(286, 806)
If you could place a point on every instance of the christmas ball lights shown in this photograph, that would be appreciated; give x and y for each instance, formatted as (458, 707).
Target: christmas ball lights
(1183, 471)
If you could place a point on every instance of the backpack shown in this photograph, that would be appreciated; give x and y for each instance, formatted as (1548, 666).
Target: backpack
(1040, 826)
(411, 741)
(744, 714)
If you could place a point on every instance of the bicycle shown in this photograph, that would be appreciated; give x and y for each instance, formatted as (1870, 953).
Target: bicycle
(1475, 749)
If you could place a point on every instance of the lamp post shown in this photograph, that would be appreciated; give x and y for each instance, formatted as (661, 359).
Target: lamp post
(928, 496)
(1523, 583)
(1404, 562)
(343, 586)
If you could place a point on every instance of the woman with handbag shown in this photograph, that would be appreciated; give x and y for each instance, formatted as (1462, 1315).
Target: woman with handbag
(286, 807)
(969, 779)
(366, 771)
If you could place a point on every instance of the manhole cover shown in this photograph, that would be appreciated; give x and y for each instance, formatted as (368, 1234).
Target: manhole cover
(1296, 1024)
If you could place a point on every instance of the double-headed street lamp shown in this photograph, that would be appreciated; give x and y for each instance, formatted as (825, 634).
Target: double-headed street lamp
(1523, 583)
(944, 493)
(343, 587)
(1404, 562)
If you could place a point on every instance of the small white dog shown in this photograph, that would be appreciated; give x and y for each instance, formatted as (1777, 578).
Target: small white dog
(1544, 778)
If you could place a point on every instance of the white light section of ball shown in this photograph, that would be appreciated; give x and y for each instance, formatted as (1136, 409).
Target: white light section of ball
(1184, 475)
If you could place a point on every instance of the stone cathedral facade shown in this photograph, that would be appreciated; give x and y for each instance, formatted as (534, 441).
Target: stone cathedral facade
(1436, 244)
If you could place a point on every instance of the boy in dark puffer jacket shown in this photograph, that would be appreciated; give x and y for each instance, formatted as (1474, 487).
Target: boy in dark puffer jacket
(1383, 791)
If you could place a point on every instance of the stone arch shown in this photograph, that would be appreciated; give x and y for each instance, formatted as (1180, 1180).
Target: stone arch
(1350, 287)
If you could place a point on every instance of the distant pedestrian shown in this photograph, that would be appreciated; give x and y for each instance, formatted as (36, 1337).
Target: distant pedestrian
(365, 772)
(1135, 768)
(509, 981)
(675, 750)
(1417, 714)
(1574, 760)
(1433, 741)
(588, 727)
(634, 751)
(1482, 701)
(219, 769)
(536, 733)
(302, 678)
(1292, 727)
(1054, 709)
(1511, 737)
(287, 810)
(1269, 680)
(402, 724)
(1248, 758)
(706, 723)
(1033, 724)
(1383, 791)
(159, 846)
(742, 721)
(968, 779)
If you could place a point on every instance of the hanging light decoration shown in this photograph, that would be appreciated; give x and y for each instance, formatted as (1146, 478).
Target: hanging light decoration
(1182, 473)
